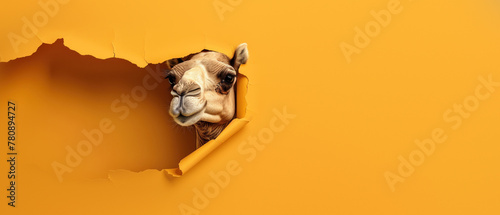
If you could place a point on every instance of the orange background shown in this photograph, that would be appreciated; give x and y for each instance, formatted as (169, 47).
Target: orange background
(353, 121)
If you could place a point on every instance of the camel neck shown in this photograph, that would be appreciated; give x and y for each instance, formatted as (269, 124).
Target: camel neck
(206, 131)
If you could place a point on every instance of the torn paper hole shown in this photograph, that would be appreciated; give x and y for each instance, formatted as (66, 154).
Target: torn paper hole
(90, 116)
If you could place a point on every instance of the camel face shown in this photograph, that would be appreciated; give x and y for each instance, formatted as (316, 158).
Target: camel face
(203, 87)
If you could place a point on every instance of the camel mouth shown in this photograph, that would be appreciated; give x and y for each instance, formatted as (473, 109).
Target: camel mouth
(189, 120)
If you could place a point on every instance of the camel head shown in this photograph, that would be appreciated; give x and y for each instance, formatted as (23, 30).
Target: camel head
(203, 87)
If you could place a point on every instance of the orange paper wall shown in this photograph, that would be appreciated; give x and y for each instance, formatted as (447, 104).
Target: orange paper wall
(373, 107)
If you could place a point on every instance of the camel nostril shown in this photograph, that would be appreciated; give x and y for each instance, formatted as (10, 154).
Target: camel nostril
(197, 89)
(194, 92)
(189, 91)
(174, 93)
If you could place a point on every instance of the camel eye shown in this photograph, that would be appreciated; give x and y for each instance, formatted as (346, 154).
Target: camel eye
(171, 79)
(228, 79)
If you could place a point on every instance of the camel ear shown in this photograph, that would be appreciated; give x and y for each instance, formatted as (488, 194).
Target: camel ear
(172, 62)
(240, 56)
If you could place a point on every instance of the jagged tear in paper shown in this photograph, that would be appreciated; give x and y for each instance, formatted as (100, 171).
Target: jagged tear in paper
(84, 91)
